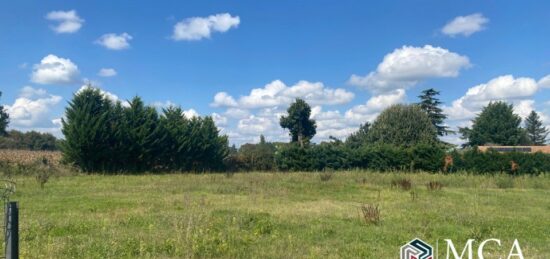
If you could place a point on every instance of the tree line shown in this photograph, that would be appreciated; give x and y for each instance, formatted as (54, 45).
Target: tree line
(101, 135)
(402, 137)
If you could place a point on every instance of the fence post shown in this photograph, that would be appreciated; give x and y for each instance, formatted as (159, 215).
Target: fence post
(12, 230)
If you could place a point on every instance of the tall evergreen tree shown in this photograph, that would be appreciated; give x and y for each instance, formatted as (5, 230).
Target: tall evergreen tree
(144, 136)
(87, 130)
(430, 104)
(4, 119)
(496, 124)
(301, 127)
(536, 132)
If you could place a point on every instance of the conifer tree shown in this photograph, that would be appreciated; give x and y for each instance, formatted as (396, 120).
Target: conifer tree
(144, 136)
(4, 119)
(87, 131)
(536, 132)
(430, 104)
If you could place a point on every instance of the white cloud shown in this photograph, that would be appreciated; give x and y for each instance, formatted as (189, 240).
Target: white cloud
(165, 104)
(465, 25)
(544, 82)
(32, 108)
(256, 125)
(506, 88)
(190, 113)
(113, 97)
(368, 112)
(106, 72)
(223, 99)
(197, 28)
(220, 120)
(524, 107)
(237, 113)
(408, 66)
(277, 93)
(54, 70)
(114, 41)
(69, 22)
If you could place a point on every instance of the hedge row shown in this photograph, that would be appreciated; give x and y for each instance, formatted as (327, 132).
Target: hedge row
(423, 157)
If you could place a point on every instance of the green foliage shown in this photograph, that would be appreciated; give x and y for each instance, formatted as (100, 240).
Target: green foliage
(142, 136)
(4, 119)
(536, 132)
(495, 162)
(31, 140)
(496, 124)
(301, 127)
(402, 125)
(88, 131)
(292, 157)
(257, 157)
(102, 136)
(358, 138)
(430, 104)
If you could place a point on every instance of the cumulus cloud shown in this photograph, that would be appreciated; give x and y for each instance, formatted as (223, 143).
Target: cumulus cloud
(107, 72)
(368, 111)
(506, 88)
(197, 28)
(113, 97)
(55, 70)
(277, 93)
(465, 25)
(190, 113)
(223, 99)
(115, 41)
(407, 66)
(68, 21)
(32, 108)
(544, 82)
(219, 119)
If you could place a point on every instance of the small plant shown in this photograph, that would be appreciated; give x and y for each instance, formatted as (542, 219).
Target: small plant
(414, 195)
(434, 186)
(370, 213)
(325, 176)
(404, 184)
(504, 182)
(43, 172)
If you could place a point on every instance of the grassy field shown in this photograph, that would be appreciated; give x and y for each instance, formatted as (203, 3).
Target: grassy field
(276, 215)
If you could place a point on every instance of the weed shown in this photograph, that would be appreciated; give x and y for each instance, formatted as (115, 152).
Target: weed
(325, 177)
(404, 184)
(434, 186)
(504, 182)
(370, 213)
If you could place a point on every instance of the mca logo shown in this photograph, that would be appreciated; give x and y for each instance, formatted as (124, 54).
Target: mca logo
(416, 249)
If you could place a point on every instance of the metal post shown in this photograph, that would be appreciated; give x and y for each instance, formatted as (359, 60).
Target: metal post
(12, 230)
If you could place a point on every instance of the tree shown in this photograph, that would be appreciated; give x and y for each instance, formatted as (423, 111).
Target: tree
(496, 124)
(402, 125)
(144, 136)
(301, 127)
(430, 104)
(4, 119)
(359, 137)
(535, 131)
(87, 129)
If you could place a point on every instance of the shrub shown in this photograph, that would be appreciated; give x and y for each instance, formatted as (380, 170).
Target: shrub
(404, 184)
(370, 213)
(434, 186)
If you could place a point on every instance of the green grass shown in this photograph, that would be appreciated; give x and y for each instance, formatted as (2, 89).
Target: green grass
(276, 215)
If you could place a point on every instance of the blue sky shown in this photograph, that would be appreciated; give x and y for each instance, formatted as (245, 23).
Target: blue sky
(243, 62)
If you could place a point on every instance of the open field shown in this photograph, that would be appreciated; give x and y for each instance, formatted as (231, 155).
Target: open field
(276, 215)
